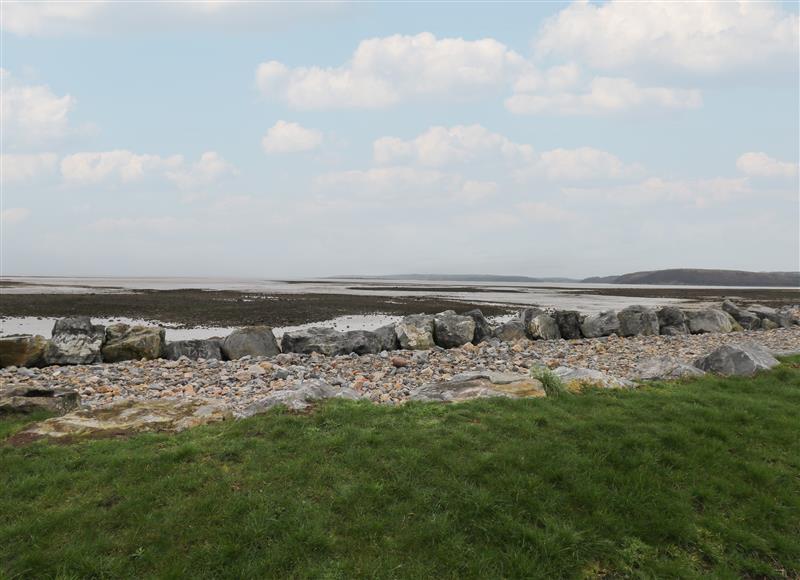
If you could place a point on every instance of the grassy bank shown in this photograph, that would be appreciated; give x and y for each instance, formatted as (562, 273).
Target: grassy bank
(701, 478)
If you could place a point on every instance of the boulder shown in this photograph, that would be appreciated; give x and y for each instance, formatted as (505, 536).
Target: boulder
(479, 385)
(25, 399)
(671, 321)
(127, 417)
(576, 379)
(779, 317)
(743, 359)
(415, 332)
(543, 327)
(75, 341)
(483, 329)
(194, 349)
(746, 319)
(511, 331)
(451, 330)
(22, 350)
(250, 341)
(709, 320)
(666, 369)
(528, 314)
(603, 324)
(301, 396)
(638, 320)
(387, 338)
(125, 342)
(569, 323)
(767, 324)
(331, 342)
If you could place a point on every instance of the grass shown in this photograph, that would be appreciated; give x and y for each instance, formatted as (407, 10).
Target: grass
(700, 478)
(552, 383)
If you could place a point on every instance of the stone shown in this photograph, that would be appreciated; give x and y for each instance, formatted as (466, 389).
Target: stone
(781, 318)
(576, 379)
(602, 324)
(330, 342)
(25, 399)
(301, 397)
(746, 319)
(75, 341)
(387, 338)
(666, 369)
(744, 359)
(250, 341)
(483, 329)
(511, 331)
(543, 327)
(194, 349)
(415, 332)
(129, 416)
(709, 320)
(638, 321)
(569, 323)
(527, 314)
(479, 385)
(767, 324)
(671, 321)
(125, 342)
(451, 330)
(22, 350)
(399, 362)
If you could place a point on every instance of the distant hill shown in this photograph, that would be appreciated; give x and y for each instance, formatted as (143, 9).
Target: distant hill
(460, 278)
(693, 277)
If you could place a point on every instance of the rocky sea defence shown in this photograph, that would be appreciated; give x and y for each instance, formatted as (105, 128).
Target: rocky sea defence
(447, 357)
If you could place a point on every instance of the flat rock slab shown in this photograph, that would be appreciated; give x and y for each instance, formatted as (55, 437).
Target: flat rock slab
(667, 369)
(26, 399)
(576, 379)
(128, 417)
(470, 386)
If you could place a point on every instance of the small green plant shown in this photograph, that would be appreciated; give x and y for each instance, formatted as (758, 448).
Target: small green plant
(551, 382)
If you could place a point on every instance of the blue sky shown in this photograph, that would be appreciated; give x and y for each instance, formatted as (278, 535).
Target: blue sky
(277, 140)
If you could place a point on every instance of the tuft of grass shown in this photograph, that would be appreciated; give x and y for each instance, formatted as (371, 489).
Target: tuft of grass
(697, 479)
(552, 383)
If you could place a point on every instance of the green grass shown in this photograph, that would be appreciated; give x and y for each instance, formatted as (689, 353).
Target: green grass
(693, 479)
(552, 383)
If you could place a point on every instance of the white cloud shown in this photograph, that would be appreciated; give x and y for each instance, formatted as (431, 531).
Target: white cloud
(210, 168)
(444, 145)
(21, 168)
(603, 95)
(14, 215)
(385, 71)
(32, 113)
(698, 36)
(285, 137)
(119, 165)
(161, 225)
(762, 165)
(38, 18)
(583, 163)
(406, 184)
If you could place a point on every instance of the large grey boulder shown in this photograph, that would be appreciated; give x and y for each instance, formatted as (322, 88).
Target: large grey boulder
(451, 330)
(479, 385)
(22, 350)
(778, 317)
(746, 319)
(638, 320)
(331, 342)
(602, 324)
(672, 321)
(743, 359)
(709, 320)
(483, 329)
(25, 399)
(125, 342)
(250, 341)
(301, 396)
(415, 332)
(194, 349)
(75, 341)
(666, 369)
(387, 337)
(543, 327)
(569, 323)
(510, 331)
(527, 314)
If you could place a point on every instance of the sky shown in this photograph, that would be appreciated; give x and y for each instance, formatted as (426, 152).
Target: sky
(282, 140)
